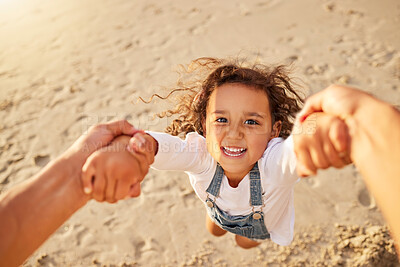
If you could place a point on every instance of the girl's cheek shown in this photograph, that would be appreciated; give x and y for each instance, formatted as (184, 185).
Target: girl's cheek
(212, 147)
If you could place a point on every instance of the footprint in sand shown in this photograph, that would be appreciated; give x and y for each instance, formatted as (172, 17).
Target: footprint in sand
(316, 69)
(329, 7)
(313, 182)
(41, 160)
(6, 104)
(83, 237)
(188, 196)
(111, 222)
(396, 71)
(148, 248)
(381, 58)
(45, 260)
(342, 79)
(139, 249)
(365, 199)
(291, 59)
(201, 27)
(268, 4)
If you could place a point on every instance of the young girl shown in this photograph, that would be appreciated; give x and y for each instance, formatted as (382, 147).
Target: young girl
(238, 151)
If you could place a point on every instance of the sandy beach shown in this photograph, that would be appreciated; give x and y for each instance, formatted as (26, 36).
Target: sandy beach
(67, 65)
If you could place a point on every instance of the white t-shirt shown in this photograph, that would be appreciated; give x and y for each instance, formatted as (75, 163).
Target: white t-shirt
(277, 168)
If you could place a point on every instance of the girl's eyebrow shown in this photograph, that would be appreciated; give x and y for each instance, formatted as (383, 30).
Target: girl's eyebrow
(254, 114)
(219, 112)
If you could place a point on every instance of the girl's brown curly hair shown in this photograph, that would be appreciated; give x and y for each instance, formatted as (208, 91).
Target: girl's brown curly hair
(203, 75)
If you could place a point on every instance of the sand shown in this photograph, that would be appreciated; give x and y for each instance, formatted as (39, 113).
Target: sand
(67, 64)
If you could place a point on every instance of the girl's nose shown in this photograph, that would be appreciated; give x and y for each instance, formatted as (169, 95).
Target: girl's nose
(235, 132)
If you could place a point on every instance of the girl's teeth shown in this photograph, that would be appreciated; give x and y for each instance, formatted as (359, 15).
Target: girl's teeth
(234, 149)
(234, 152)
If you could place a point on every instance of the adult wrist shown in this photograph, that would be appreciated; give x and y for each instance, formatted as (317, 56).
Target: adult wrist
(365, 126)
(69, 166)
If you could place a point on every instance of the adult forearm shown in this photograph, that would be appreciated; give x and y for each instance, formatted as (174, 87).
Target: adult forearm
(375, 130)
(33, 210)
(374, 127)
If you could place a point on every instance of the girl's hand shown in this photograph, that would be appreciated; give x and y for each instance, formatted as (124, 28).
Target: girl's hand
(143, 143)
(320, 142)
(113, 173)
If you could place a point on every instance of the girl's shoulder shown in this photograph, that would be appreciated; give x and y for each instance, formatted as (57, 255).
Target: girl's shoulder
(195, 135)
(275, 144)
(278, 162)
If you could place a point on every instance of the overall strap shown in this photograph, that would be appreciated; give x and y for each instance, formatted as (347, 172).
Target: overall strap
(255, 187)
(216, 181)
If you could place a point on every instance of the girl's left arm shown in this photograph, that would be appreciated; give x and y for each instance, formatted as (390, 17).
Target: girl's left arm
(280, 161)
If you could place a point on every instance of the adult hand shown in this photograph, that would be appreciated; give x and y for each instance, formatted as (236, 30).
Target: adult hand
(96, 137)
(319, 143)
(341, 101)
(113, 173)
(99, 136)
(374, 128)
(344, 102)
(32, 210)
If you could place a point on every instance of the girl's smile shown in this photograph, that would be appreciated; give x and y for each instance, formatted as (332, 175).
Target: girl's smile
(234, 152)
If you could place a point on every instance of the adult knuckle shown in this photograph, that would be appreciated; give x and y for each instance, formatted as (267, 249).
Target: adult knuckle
(110, 199)
(339, 165)
(98, 198)
(323, 164)
(122, 123)
(96, 154)
(97, 127)
(113, 169)
(310, 166)
(299, 144)
(118, 196)
(125, 174)
(85, 172)
(97, 192)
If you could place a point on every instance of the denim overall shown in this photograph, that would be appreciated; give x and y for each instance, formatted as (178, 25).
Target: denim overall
(252, 225)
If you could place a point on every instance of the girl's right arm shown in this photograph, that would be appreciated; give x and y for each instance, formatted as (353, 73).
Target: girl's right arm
(173, 153)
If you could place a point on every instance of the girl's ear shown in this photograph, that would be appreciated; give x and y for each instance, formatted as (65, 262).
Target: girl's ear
(276, 129)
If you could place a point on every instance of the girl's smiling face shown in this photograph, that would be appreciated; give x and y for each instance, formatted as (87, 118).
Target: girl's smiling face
(238, 127)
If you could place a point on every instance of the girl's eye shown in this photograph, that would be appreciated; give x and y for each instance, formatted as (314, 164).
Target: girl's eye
(223, 120)
(251, 122)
